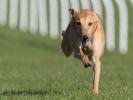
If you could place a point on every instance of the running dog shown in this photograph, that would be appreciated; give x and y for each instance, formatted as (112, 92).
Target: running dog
(84, 37)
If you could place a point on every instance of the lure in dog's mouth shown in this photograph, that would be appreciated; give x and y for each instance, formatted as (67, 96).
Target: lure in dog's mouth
(86, 50)
(85, 45)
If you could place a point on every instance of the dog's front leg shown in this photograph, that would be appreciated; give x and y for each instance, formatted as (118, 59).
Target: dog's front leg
(96, 76)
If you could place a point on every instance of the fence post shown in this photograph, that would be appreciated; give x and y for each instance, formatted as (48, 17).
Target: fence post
(13, 13)
(54, 23)
(3, 12)
(75, 4)
(131, 1)
(43, 22)
(85, 4)
(123, 29)
(64, 14)
(33, 16)
(96, 4)
(110, 24)
(23, 25)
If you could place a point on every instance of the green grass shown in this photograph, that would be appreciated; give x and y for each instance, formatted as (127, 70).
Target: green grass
(34, 68)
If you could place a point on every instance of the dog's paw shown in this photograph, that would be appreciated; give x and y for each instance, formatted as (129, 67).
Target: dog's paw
(87, 65)
(86, 62)
(95, 93)
(85, 59)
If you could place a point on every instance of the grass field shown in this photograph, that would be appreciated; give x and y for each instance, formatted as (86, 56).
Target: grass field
(34, 68)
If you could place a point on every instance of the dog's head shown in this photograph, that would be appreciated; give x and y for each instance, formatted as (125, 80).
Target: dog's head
(85, 23)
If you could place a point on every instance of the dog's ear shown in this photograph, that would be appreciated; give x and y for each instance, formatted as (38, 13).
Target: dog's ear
(72, 12)
(65, 45)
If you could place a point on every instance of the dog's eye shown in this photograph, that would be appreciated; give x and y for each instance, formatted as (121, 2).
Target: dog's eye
(78, 23)
(90, 23)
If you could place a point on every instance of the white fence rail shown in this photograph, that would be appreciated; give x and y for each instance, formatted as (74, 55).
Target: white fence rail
(40, 15)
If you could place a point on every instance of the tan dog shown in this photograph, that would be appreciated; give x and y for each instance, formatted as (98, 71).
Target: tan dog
(85, 27)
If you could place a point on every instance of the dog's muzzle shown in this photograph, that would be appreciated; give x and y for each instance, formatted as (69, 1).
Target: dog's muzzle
(84, 39)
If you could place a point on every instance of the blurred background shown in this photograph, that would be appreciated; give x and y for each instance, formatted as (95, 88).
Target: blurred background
(32, 64)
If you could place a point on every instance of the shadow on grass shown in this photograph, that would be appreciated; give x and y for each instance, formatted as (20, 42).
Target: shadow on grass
(31, 92)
